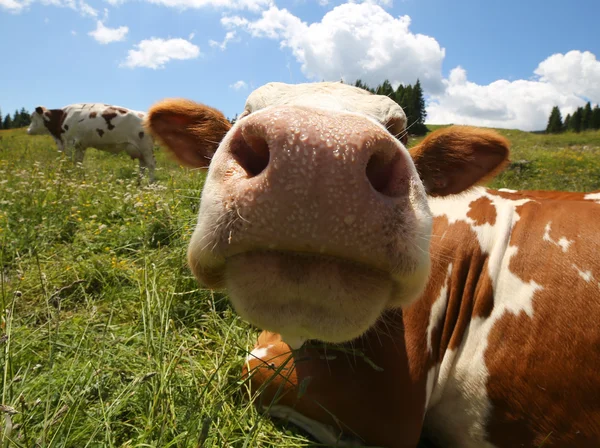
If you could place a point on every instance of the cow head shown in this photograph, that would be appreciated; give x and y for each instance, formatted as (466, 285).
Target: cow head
(314, 215)
(38, 119)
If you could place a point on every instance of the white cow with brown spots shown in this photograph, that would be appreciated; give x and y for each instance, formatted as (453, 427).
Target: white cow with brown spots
(101, 126)
(460, 314)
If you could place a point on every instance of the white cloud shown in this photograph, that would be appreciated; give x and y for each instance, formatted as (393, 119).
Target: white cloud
(223, 45)
(87, 10)
(521, 104)
(191, 36)
(352, 41)
(238, 85)
(155, 53)
(577, 72)
(14, 6)
(386, 3)
(250, 5)
(105, 35)
(74, 33)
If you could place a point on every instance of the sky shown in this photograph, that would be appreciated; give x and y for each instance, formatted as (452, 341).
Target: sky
(489, 63)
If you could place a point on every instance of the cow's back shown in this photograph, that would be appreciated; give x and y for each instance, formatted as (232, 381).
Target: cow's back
(513, 327)
(106, 127)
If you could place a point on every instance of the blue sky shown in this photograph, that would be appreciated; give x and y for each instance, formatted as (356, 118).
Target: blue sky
(487, 63)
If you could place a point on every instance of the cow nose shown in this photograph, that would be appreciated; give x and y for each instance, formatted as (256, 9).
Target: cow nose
(291, 142)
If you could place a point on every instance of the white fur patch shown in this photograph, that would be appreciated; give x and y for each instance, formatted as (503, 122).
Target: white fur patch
(562, 242)
(323, 433)
(592, 197)
(459, 405)
(259, 353)
(438, 309)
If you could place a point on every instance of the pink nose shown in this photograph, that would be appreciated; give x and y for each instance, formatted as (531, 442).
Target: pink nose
(297, 146)
(316, 181)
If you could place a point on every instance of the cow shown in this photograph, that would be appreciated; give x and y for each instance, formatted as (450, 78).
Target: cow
(101, 126)
(399, 299)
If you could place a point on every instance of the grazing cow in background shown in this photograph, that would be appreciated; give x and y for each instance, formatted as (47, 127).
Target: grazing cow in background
(101, 126)
(429, 307)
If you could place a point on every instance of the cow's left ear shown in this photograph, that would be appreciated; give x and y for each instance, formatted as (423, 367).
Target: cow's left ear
(453, 159)
(191, 131)
(40, 110)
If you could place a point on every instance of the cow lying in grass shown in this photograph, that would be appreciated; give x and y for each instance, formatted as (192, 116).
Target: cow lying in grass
(101, 126)
(466, 314)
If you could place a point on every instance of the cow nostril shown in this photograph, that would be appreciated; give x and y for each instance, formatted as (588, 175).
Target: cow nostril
(385, 175)
(252, 153)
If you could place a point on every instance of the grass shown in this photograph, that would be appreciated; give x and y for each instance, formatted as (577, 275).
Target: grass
(105, 338)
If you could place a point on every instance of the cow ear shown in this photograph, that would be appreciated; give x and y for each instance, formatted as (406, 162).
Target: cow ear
(191, 131)
(39, 110)
(453, 159)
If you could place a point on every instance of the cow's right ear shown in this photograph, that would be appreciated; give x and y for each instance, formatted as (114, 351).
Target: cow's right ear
(39, 110)
(191, 131)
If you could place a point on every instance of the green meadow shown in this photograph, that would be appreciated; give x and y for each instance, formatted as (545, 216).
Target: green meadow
(105, 338)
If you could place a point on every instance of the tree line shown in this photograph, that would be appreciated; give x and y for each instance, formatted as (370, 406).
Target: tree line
(19, 119)
(583, 119)
(409, 97)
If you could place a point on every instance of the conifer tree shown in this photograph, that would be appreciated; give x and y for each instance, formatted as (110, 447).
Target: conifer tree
(25, 117)
(419, 111)
(575, 123)
(385, 89)
(16, 119)
(555, 124)
(566, 122)
(586, 117)
(7, 124)
(1, 124)
(596, 117)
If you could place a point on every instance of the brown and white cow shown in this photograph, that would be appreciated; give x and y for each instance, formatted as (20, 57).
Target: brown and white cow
(101, 126)
(463, 314)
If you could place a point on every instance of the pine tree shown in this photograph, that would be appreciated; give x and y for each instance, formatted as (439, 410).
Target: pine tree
(385, 89)
(419, 111)
(596, 117)
(363, 86)
(555, 123)
(16, 119)
(566, 122)
(398, 95)
(586, 117)
(1, 124)
(25, 117)
(7, 124)
(575, 123)
(406, 102)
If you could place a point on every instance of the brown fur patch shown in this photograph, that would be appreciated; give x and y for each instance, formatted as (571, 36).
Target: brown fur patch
(482, 211)
(122, 110)
(93, 114)
(54, 124)
(543, 381)
(306, 381)
(100, 132)
(141, 134)
(109, 114)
